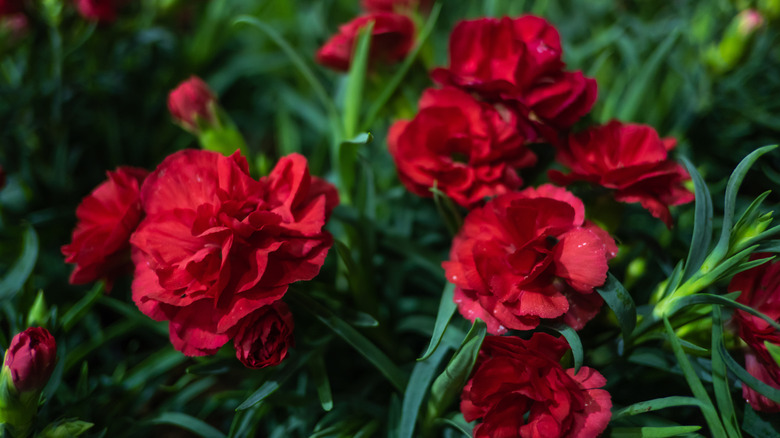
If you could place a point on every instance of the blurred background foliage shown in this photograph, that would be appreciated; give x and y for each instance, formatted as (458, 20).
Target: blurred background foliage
(77, 99)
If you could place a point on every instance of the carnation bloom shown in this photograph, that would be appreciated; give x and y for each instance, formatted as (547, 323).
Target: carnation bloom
(528, 256)
(30, 359)
(217, 245)
(518, 61)
(264, 336)
(192, 101)
(514, 378)
(469, 149)
(632, 160)
(100, 246)
(760, 289)
(98, 10)
(391, 39)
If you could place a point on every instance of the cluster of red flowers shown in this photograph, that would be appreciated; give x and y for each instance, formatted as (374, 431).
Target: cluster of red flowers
(214, 250)
(760, 289)
(392, 34)
(527, 256)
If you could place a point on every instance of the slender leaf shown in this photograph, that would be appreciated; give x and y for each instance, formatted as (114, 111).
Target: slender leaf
(356, 79)
(640, 84)
(417, 389)
(20, 271)
(458, 423)
(448, 384)
(154, 365)
(447, 210)
(82, 307)
(707, 408)
(675, 278)
(723, 301)
(347, 156)
(188, 422)
(774, 351)
(720, 379)
(655, 405)
(620, 301)
(652, 432)
(760, 425)
(291, 365)
(447, 308)
(211, 367)
(319, 375)
(359, 342)
(702, 223)
(747, 378)
(299, 63)
(394, 416)
(395, 81)
(769, 246)
(731, 197)
(573, 339)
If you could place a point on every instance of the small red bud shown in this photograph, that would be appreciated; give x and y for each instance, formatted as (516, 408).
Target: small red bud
(190, 100)
(31, 358)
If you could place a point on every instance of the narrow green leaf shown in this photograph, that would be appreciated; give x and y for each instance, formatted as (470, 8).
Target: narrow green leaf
(82, 307)
(573, 339)
(368, 430)
(359, 342)
(652, 432)
(299, 63)
(394, 416)
(188, 422)
(720, 379)
(347, 156)
(319, 375)
(655, 405)
(398, 77)
(760, 425)
(747, 378)
(707, 408)
(458, 423)
(674, 280)
(723, 301)
(447, 308)
(769, 246)
(702, 223)
(356, 79)
(774, 351)
(154, 365)
(631, 101)
(416, 390)
(620, 301)
(448, 384)
(735, 180)
(211, 367)
(447, 210)
(290, 366)
(20, 271)
(744, 266)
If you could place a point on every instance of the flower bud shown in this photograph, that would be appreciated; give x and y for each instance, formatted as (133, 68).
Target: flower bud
(264, 336)
(30, 359)
(192, 101)
(748, 21)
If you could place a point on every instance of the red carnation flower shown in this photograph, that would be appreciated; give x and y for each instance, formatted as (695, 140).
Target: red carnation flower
(98, 10)
(632, 160)
(191, 102)
(518, 61)
(100, 246)
(217, 245)
(30, 358)
(264, 336)
(469, 149)
(391, 39)
(760, 289)
(519, 389)
(529, 256)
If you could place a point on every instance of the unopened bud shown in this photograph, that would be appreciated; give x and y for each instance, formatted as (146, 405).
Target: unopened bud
(748, 21)
(30, 359)
(192, 103)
